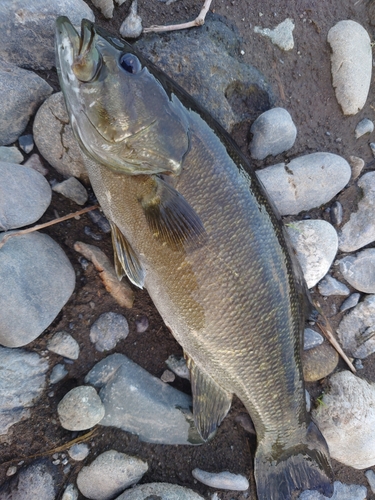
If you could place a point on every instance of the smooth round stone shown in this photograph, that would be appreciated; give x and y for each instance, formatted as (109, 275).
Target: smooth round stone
(351, 64)
(331, 286)
(37, 280)
(359, 270)
(24, 196)
(78, 451)
(365, 126)
(347, 420)
(64, 344)
(223, 480)
(319, 362)
(315, 243)
(159, 491)
(80, 409)
(55, 140)
(108, 330)
(72, 189)
(306, 182)
(10, 155)
(273, 132)
(109, 474)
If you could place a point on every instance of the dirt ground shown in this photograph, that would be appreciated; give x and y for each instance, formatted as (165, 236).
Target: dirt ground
(301, 81)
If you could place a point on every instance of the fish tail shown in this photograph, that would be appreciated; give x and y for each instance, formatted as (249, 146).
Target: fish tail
(305, 466)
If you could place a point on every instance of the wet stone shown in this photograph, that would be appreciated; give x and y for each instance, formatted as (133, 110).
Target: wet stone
(80, 409)
(350, 302)
(64, 344)
(108, 330)
(331, 286)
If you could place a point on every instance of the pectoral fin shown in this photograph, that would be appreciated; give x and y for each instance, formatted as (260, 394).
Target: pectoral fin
(170, 217)
(211, 402)
(126, 261)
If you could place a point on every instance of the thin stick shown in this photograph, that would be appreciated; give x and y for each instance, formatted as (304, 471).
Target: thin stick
(198, 21)
(46, 224)
(326, 330)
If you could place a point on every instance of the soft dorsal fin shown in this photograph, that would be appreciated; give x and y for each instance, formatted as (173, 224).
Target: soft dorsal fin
(126, 261)
(170, 217)
(211, 402)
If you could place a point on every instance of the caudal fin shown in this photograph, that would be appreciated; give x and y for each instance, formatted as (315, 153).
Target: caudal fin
(305, 466)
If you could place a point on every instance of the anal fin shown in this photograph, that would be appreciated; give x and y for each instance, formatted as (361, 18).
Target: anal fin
(126, 261)
(211, 402)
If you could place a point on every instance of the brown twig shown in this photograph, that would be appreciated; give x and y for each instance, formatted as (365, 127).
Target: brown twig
(46, 224)
(198, 21)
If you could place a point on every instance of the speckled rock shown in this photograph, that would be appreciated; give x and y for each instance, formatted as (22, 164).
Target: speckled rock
(306, 182)
(315, 243)
(64, 344)
(31, 298)
(80, 409)
(282, 35)
(109, 474)
(108, 330)
(159, 491)
(54, 138)
(331, 286)
(359, 270)
(319, 362)
(351, 64)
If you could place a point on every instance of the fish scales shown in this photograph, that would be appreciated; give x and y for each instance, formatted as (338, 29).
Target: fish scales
(232, 299)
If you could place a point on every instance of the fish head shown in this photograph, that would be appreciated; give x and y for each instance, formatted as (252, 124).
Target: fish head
(120, 113)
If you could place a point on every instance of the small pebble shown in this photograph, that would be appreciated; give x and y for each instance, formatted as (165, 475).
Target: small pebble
(10, 154)
(365, 126)
(89, 232)
(336, 213)
(70, 493)
(78, 451)
(71, 188)
(370, 474)
(178, 366)
(223, 480)
(141, 324)
(84, 263)
(357, 165)
(311, 339)
(132, 25)
(64, 344)
(358, 365)
(372, 147)
(11, 470)
(26, 143)
(80, 409)
(56, 462)
(331, 286)
(108, 330)
(35, 163)
(168, 376)
(350, 302)
(100, 221)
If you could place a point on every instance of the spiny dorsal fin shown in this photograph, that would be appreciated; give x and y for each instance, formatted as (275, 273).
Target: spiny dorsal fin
(171, 219)
(211, 403)
(126, 261)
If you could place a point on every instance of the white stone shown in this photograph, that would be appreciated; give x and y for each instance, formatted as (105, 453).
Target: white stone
(109, 474)
(365, 126)
(315, 243)
(306, 182)
(282, 35)
(70, 493)
(359, 270)
(351, 64)
(224, 480)
(347, 420)
(80, 409)
(64, 344)
(79, 451)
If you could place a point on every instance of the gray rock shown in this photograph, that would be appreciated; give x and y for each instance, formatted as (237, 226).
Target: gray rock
(273, 132)
(109, 474)
(22, 380)
(105, 6)
(350, 302)
(331, 286)
(37, 280)
(78, 451)
(24, 196)
(311, 339)
(341, 492)
(347, 420)
(224, 480)
(359, 270)
(159, 491)
(214, 77)
(141, 324)
(370, 475)
(35, 163)
(351, 65)
(177, 365)
(132, 24)
(357, 165)
(167, 376)
(58, 373)
(306, 182)
(64, 344)
(108, 330)
(315, 243)
(336, 213)
(27, 29)
(70, 493)
(21, 93)
(282, 35)
(80, 409)
(365, 126)
(101, 221)
(10, 155)
(26, 143)
(357, 329)
(139, 403)
(55, 140)
(359, 231)
(72, 189)
(37, 481)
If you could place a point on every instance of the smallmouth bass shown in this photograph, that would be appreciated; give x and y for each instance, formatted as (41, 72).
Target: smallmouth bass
(191, 223)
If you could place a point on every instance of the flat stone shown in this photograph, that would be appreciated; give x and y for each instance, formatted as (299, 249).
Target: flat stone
(306, 182)
(55, 140)
(359, 270)
(315, 243)
(108, 330)
(72, 189)
(80, 409)
(58, 373)
(159, 491)
(273, 132)
(282, 35)
(341, 492)
(21, 93)
(22, 381)
(319, 362)
(350, 302)
(359, 231)
(64, 344)
(79, 451)
(139, 403)
(109, 474)
(24, 196)
(331, 286)
(10, 155)
(347, 420)
(223, 480)
(311, 339)
(27, 29)
(351, 64)
(37, 279)
(357, 328)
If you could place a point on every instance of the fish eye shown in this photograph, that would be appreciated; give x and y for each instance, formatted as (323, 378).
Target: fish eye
(130, 63)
